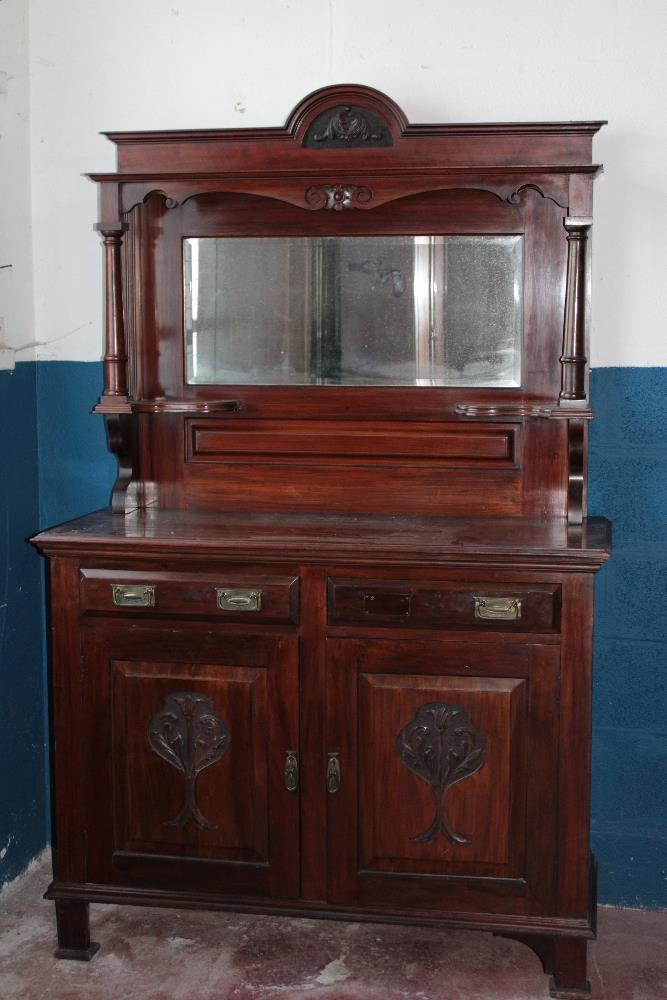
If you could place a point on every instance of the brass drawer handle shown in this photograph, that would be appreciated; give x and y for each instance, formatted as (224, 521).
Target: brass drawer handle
(333, 773)
(291, 772)
(498, 608)
(133, 595)
(238, 600)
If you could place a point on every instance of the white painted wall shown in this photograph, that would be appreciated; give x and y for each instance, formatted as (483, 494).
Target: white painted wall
(16, 292)
(137, 64)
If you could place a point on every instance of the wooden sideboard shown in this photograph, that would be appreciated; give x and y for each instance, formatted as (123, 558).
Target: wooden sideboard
(328, 652)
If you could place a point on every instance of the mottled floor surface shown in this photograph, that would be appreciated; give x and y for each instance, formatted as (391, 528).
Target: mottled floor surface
(180, 955)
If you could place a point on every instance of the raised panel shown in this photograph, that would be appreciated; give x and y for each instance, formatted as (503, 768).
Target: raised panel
(448, 763)
(187, 730)
(350, 442)
(420, 823)
(163, 804)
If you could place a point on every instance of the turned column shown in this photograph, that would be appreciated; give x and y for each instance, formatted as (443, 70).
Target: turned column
(114, 399)
(573, 359)
(114, 402)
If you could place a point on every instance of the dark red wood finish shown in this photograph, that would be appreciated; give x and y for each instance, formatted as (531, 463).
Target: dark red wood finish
(398, 726)
(251, 842)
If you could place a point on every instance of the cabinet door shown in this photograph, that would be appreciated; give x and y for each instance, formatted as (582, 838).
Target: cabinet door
(191, 745)
(442, 774)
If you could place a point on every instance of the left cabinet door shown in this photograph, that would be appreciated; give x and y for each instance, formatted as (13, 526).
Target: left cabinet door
(191, 756)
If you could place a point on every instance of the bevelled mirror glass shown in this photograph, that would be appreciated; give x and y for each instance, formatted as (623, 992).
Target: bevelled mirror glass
(356, 310)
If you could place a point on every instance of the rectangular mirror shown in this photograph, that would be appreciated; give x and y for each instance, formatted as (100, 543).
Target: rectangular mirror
(357, 310)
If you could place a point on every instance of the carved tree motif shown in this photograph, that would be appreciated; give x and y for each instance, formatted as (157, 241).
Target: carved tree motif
(441, 747)
(188, 734)
(337, 196)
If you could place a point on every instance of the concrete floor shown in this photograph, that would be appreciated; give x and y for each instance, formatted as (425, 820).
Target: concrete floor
(187, 955)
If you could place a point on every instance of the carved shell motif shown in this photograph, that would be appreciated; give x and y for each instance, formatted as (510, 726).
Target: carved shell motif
(348, 125)
(442, 747)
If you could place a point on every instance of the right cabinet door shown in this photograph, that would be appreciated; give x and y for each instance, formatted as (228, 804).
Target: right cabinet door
(442, 774)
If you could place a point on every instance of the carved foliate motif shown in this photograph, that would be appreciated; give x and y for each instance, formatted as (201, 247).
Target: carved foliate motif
(514, 198)
(442, 747)
(346, 125)
(337, 196)
(188, 734)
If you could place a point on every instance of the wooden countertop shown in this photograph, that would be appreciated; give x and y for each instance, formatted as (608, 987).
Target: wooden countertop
(377, 539)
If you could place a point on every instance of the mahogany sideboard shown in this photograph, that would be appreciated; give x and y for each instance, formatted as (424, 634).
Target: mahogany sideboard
(328, 651)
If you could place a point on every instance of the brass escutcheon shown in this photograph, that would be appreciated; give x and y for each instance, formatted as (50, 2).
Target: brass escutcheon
(333, 773)
(291, 772)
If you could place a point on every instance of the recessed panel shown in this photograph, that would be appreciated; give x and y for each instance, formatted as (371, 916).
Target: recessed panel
(190, 760)
(350, 442)
(446, 749)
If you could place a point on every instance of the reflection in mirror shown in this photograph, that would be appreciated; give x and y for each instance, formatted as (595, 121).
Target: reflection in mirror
(378, 310)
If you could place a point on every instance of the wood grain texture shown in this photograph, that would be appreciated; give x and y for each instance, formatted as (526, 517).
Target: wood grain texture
(191, 594)
(244, 536)
(68, 753)
(375, 680)
(409, 604)
(252, 682)
(378, 522)
(539, 484)
(373, 487)
(352, 442)
(115, 396)
(567, 143)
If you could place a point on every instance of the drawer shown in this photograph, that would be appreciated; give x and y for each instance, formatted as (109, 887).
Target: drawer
(415, 604)
(229, 596)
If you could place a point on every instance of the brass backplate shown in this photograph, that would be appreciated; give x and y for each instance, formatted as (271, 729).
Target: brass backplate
(238, 600)
(498, 608)
(133, 595)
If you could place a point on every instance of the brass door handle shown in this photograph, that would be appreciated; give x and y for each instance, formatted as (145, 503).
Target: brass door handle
(291, 772)
(498, 608)
(238, 600)
(333, 773)
(133, 595)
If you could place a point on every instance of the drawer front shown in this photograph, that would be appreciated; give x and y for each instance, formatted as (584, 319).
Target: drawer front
(414, 604)
(229, 596)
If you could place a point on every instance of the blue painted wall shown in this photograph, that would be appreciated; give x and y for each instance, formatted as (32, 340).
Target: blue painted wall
(53, 466)
(628, 484)
(23, 799)
(76, 470)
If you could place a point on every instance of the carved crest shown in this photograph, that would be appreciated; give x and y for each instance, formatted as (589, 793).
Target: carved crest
(442, 747)
(188, 734)
(347, 125)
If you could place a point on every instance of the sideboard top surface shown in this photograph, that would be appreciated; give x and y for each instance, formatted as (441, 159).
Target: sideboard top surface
(334, 537)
